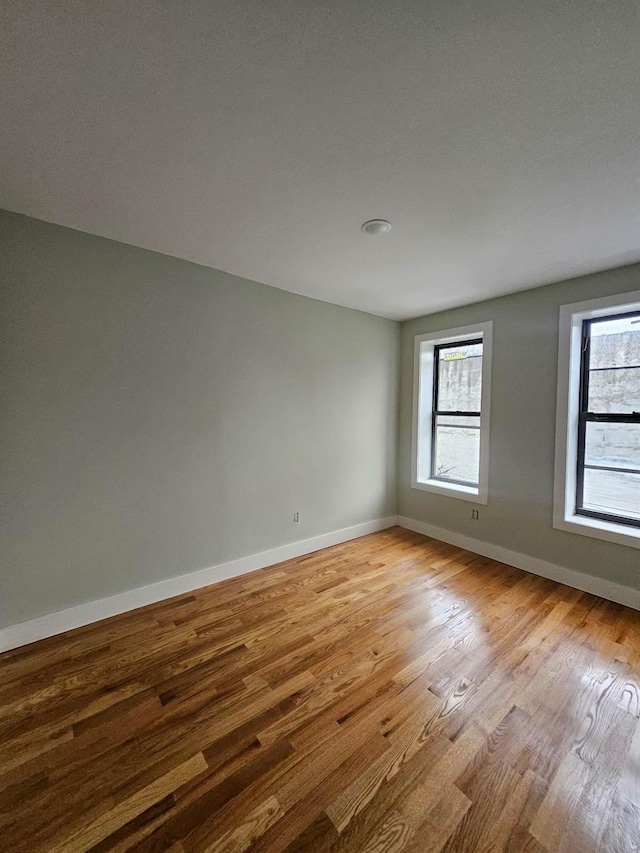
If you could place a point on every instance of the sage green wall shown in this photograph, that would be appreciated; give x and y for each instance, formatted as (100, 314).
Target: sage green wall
(160, 417)
(523, 418)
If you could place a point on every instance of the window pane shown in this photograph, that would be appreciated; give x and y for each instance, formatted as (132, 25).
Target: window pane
(614, 384)
(613, 446)
(457, 451)
(612, 492)
(460, 378)
(614, 390)
(615, 343)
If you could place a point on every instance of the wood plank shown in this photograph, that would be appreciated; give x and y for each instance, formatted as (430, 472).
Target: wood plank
(389, 693)
(130, 808)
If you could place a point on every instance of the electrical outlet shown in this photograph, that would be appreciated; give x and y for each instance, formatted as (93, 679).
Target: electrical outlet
(475, 514)
(296, 516)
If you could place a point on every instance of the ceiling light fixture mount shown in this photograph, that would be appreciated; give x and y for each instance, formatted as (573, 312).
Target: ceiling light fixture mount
(376, 226)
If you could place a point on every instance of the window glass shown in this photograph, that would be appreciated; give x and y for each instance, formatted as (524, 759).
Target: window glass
(457, 449)
(460, 378)
(458, 388)
(612, 445)
(612, 493)
(608, 482)
(616, 390)
(614, 362)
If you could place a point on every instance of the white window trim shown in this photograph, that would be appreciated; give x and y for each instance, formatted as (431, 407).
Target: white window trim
(422, 401)
(564, 497)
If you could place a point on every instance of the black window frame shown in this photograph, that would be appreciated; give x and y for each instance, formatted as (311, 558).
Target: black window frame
(435, 412)
(585, 417)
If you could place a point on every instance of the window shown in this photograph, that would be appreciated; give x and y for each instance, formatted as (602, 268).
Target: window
(451, 412)
(598, 433)
(608, 475)
(455, 419)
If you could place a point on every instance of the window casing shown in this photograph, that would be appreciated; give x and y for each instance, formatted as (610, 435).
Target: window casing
(452, 386)
(597, 482)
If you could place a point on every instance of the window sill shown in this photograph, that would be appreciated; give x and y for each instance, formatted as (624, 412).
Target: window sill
(451, 490)
(598, 529)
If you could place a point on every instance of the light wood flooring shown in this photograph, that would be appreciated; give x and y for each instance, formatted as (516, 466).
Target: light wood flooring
(389, 694)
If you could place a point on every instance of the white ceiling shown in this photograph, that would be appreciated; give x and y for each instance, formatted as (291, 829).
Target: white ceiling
(501, 138)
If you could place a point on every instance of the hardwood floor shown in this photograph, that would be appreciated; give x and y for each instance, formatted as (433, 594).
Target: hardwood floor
(389, 694)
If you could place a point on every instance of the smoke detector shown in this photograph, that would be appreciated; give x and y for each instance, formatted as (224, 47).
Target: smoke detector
(376, 226)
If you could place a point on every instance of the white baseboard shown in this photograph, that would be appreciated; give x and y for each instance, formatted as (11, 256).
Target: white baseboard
(578, 580)
(17, 635)
(92, 611)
